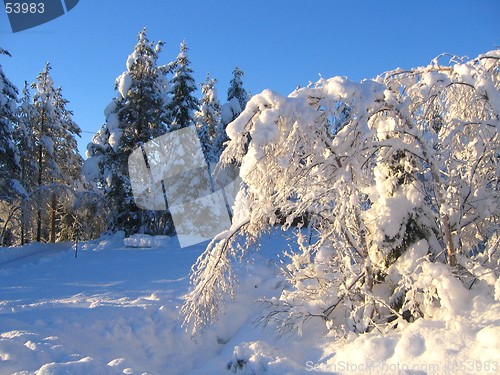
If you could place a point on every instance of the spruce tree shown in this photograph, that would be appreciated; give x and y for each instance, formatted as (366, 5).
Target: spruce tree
(25, 140)
(236, 89)
(183, 103)
(69, 159)
(237, 97)
(10, 189)
(136, 116)
(9, 161)
(208, 122)
(58, 161)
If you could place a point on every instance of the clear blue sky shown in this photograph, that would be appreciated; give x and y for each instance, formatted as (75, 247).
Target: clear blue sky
(278, 44)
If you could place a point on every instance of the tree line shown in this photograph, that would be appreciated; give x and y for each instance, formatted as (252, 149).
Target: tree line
(49, 193)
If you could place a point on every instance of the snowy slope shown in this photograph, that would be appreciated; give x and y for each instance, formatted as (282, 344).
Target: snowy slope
(114, 309)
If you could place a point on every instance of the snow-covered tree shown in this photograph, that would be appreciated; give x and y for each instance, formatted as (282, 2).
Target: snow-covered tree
(28, 167)
(236, 89)
(237, 97)
(10, 189)
(396, 175)
(183, 104)
(58, 161)
(25, 139)
(66, 147)
(9, 163)
(136, 116)
(208, 122)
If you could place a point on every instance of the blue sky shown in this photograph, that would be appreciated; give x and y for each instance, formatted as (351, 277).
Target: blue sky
(278, 44)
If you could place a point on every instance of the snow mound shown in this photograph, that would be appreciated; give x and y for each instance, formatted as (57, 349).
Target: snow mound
(147, 241)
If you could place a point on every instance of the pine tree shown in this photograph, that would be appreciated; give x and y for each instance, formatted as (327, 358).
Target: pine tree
(58, 160)
(9, 162)
(395, 218)
(70, 165)
(183, 103)
(236, 89)
(237, 97)
(25, 140)
(10, 189)
(208, 122)
(136, 116)
(45, 124)
(66, 147)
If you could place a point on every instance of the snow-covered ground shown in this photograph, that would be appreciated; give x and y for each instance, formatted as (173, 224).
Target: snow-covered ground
(114, 309)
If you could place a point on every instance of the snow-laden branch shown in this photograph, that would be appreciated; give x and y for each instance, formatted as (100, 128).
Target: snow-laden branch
(214, 280)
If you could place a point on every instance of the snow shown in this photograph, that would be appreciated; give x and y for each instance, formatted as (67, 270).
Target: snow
(91, 167)
(48, 144)
(124, 82)
(114, 309)
(132, 58)
(19, 188)
(79, 314)
(229, 109)
(110, 108)
(408, 263)
(114, 139)
(490, 91)
(113, 124)
(29, 252)
(147, 241)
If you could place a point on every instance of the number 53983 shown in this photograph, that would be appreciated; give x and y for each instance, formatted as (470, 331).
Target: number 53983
(24, 8)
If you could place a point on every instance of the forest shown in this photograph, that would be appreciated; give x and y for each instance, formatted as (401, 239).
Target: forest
(51, 194)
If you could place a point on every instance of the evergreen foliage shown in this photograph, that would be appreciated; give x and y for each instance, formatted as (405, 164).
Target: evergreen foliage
(237, 98)
(208, 122)
(236, 89)
(183, 104)
(136, 116)
(9, 161)
(10, 189)
(44, 196)
(58, 168)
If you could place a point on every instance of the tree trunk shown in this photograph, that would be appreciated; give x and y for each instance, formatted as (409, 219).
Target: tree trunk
(53, 208)
(39, 213)
(39, 226)
(450, 248)
(445, 220)
(23, 218)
